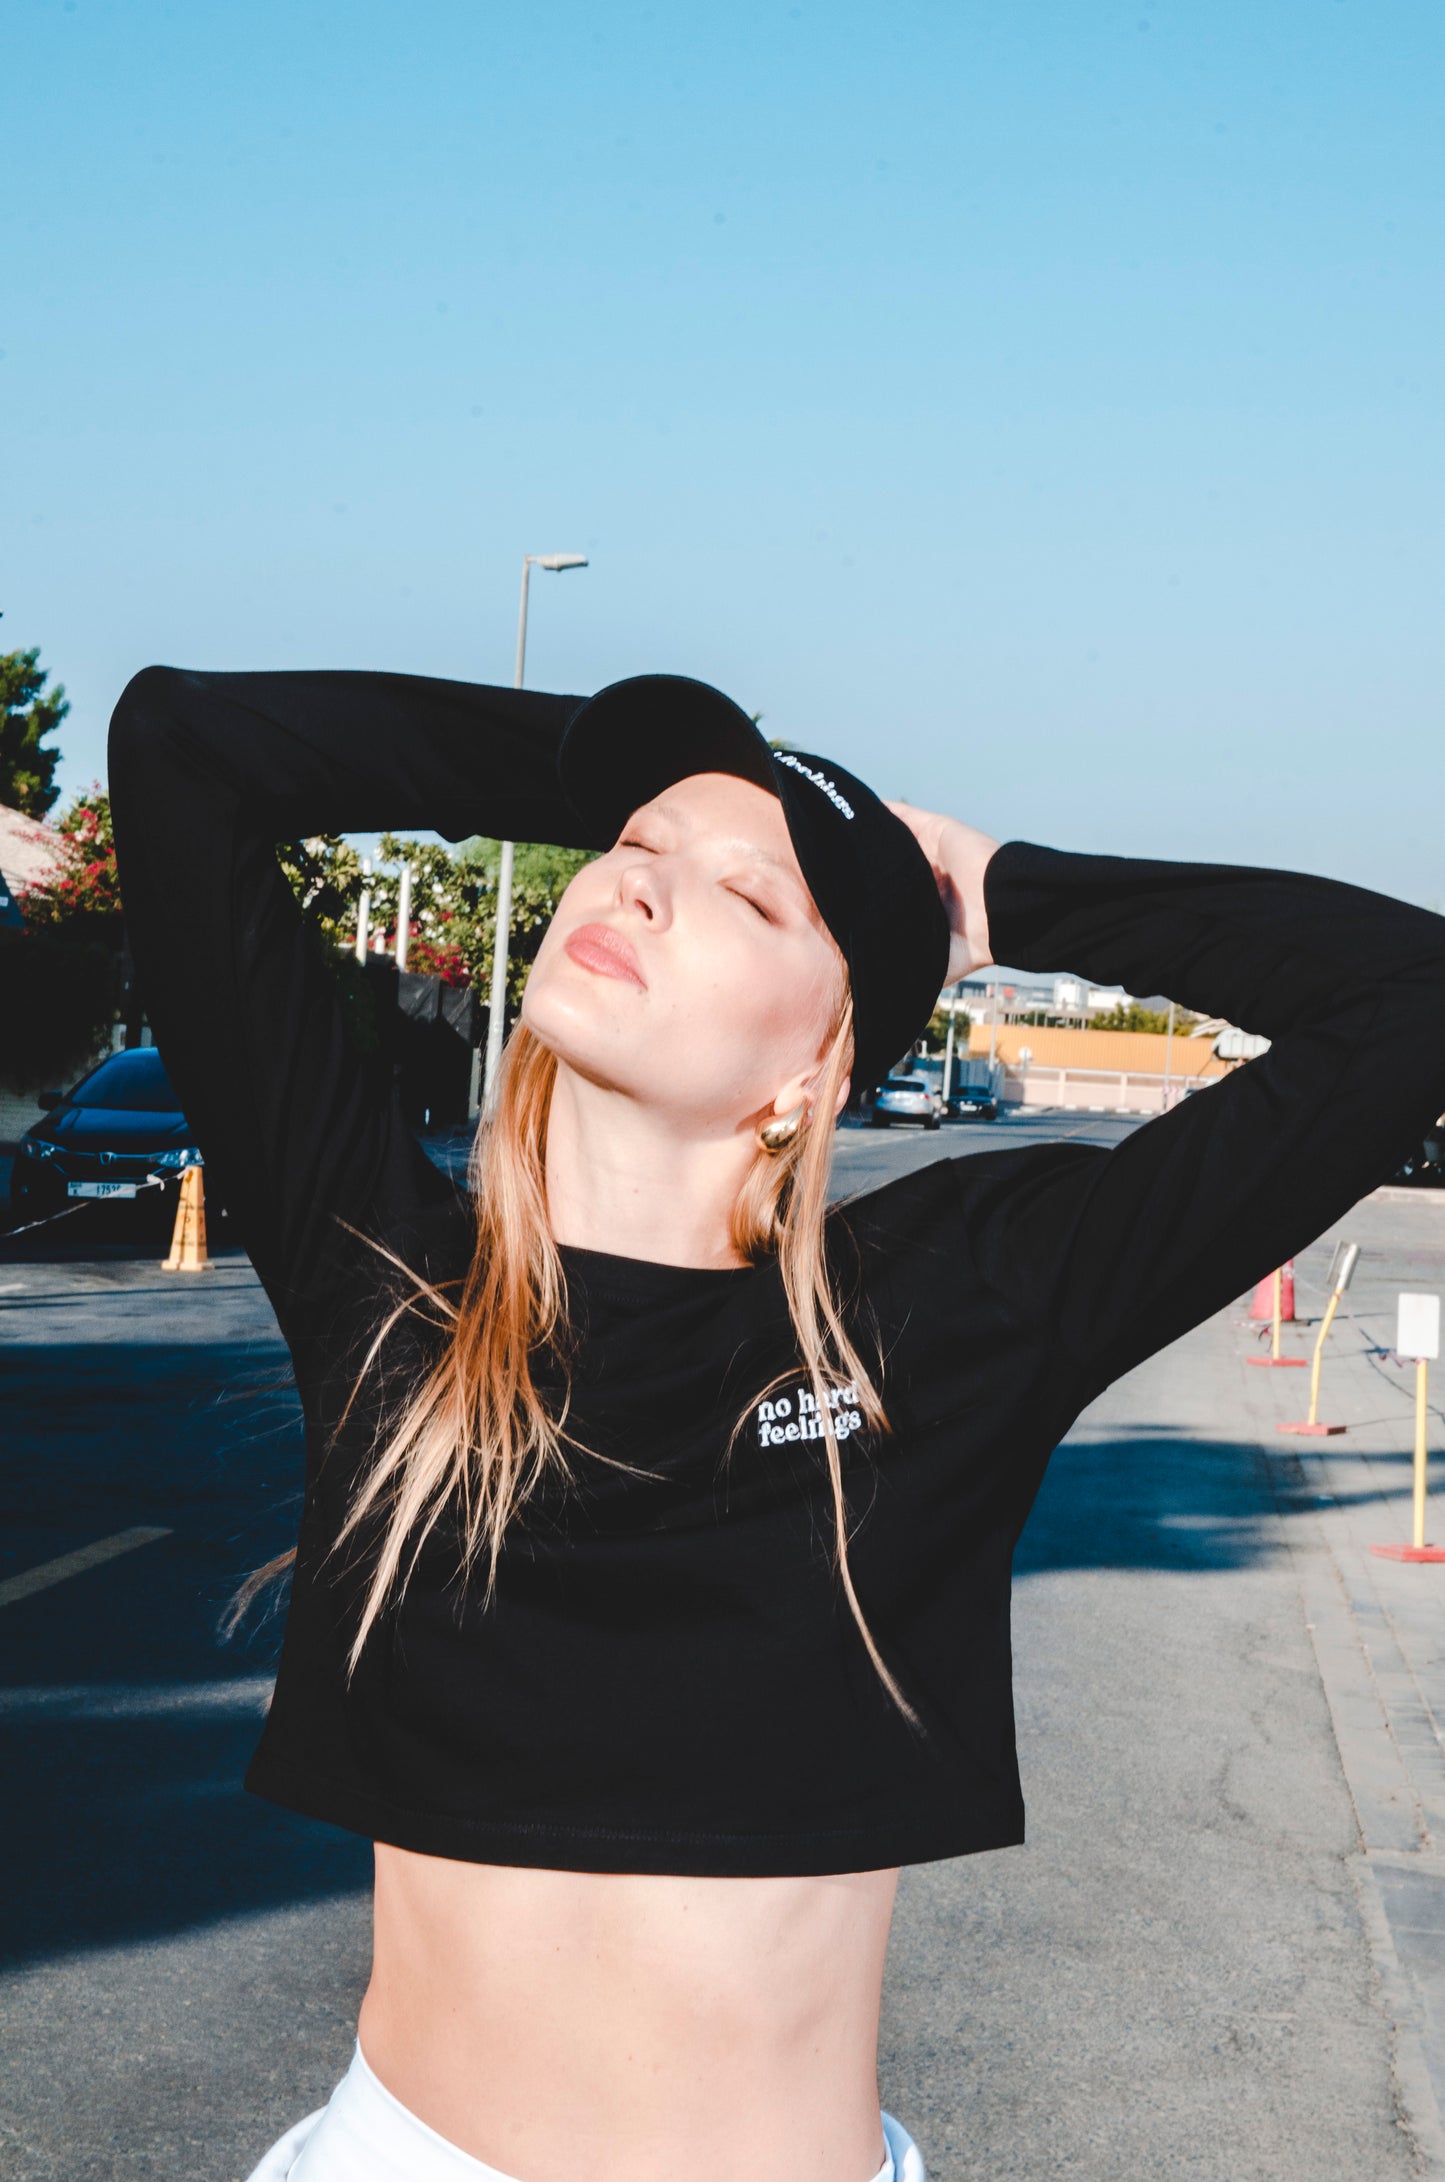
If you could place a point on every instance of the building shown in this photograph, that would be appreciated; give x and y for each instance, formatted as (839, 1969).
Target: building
(30, 853)
(1011, 996)
(1096, 1071)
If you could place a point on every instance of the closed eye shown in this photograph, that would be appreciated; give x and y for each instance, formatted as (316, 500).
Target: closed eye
(765, 913)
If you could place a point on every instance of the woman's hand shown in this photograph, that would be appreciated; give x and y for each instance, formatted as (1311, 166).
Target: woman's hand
(959, 855)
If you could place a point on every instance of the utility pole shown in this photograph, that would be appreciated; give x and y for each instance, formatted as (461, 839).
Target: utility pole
(497, 1004)
(363, 909)
(952, 995)
(403, 916)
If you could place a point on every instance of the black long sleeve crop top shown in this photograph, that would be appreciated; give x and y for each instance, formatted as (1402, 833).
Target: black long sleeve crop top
(667, 1678)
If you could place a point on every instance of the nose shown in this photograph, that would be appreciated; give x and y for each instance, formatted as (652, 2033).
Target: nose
(642, 887)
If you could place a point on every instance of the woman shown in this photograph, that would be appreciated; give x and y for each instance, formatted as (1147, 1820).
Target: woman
(651, 1599)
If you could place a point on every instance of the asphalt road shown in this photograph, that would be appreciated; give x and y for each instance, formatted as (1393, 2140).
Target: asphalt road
(1173, 1977)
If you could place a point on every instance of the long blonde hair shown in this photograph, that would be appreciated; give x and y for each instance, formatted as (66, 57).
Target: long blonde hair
(478, 1435)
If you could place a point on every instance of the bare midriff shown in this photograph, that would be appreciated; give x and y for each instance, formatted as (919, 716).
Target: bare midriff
(576, 2027)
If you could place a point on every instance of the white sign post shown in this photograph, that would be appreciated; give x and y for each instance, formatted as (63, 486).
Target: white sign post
(1417, 1334)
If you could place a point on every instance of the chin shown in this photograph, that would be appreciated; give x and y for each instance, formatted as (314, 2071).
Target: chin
(582, 1036)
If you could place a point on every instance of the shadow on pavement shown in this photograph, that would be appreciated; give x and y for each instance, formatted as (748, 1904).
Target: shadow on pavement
(125, 1722)
(1162, 1497)
(130, 1829)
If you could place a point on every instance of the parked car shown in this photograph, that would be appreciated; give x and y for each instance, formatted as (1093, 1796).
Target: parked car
(1425, 1166)
(119, 1133)
(905, 1098)
(974, 1102)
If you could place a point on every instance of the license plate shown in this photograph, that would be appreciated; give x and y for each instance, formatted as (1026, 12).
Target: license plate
(100, 1189)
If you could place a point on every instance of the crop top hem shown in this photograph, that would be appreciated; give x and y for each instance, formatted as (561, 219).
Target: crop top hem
(789, 1853)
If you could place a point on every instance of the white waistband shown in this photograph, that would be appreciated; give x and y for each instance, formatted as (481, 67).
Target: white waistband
(367, 2135)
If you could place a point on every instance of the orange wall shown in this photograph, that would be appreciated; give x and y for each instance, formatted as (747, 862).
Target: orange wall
(1138, 1051)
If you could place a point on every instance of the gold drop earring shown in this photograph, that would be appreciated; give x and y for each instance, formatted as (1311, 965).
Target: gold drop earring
(776, 1134)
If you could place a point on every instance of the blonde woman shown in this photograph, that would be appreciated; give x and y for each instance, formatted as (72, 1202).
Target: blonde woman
(650, 1606)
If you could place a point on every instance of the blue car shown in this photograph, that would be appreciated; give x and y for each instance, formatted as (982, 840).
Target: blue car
(119, 1133)
(975, 1102)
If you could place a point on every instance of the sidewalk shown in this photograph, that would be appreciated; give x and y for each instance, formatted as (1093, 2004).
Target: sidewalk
(1378, 1626)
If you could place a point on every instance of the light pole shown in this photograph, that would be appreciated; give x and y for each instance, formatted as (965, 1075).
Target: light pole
(403, 916)
(363, 910)
(952, 997)
(497, 1009)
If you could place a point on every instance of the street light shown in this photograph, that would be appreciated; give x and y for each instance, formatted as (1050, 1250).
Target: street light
(497, 1011)
(363, 910)
(951, 998)
(403, 916)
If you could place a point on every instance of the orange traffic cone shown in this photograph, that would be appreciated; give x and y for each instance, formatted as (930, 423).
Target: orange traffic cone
(188, 1236)
(1280, 1290)
(1263, 1303)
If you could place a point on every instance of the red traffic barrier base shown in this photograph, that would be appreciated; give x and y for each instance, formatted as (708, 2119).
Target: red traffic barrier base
(1310, 1431)
(1410, 1553)
(1279, 1363)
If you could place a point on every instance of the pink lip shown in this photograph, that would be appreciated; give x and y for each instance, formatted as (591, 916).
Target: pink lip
(597, 947)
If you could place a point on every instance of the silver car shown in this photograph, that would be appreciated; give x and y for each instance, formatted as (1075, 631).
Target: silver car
(905, 1098)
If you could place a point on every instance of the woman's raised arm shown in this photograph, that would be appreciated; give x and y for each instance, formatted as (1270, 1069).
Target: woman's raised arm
(208, 772)
(1118, 1252)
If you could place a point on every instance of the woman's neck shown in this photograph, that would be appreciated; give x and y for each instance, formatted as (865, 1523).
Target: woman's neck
(618, 1180)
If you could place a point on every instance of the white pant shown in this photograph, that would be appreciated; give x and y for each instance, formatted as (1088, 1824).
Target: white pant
(366, 2135)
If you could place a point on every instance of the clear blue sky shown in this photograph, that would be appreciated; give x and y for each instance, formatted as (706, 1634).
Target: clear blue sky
(1034, 403)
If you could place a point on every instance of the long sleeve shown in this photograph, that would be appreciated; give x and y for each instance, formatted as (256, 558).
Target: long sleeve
(207, 773)
(1117, 1252)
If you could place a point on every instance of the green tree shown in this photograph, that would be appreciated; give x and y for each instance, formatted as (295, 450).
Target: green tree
(81, 901)
(1128, 1015)
(453, 901)
(325, 876)
(59, 977)
(937, 1031)
(540, 876)
(27, 716)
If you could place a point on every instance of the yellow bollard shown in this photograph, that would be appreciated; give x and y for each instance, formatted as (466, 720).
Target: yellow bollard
(188, 1236)
(1347, 1257)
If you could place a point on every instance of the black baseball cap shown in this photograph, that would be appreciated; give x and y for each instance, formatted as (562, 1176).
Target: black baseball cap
(872, 883)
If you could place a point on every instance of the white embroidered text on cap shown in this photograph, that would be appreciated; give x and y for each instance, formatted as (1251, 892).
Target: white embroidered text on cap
(819, 780)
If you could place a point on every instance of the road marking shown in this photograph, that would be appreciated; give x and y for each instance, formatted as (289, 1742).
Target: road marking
(248, 1695)
(15, 1588)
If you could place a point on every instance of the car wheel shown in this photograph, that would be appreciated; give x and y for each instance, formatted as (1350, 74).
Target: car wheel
(880, 1121)
(932, 1122)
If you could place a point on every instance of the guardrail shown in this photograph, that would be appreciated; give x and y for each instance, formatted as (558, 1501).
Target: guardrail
(1097, 1090)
